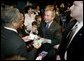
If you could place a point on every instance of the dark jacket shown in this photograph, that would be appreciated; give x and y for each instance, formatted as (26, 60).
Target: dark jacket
(54, 32)
(75, 49)
(12, 44)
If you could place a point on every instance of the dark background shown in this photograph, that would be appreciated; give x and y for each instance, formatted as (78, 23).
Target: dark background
(41, 3)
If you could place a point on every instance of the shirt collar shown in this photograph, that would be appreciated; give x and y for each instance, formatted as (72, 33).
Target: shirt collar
(11, 29)
(49, 24)
(80, 24)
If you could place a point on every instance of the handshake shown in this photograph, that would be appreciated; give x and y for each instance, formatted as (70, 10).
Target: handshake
(37, 41)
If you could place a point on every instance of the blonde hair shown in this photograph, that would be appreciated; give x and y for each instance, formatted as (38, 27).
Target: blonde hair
(49, 7)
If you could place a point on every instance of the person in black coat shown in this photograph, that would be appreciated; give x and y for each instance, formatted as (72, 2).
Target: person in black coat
(51, 34)
(72, 48)
(11, 42)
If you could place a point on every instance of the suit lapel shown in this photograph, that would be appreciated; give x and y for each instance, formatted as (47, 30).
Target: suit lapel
(52, 26)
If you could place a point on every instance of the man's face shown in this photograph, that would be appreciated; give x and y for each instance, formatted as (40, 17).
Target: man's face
(21, 20)
(76, 9)
(48, 16)
(34, 28)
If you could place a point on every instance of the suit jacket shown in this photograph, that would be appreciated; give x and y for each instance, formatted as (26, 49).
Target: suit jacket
(12, 44)
(75, 50)
(72, 51)
(53, 32)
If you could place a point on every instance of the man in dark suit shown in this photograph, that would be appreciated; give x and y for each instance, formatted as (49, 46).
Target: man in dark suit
(11, 43)
(51, 32)
(71, 47)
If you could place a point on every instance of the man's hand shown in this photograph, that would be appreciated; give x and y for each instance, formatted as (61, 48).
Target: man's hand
(26, 38)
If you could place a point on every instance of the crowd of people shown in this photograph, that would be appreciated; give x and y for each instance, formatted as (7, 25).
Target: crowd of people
(53, 33)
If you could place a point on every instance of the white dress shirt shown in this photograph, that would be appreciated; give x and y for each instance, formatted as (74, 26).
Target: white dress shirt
(49, 24)
(11, 29)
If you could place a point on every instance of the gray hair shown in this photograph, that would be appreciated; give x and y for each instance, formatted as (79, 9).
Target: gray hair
(9, 15)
